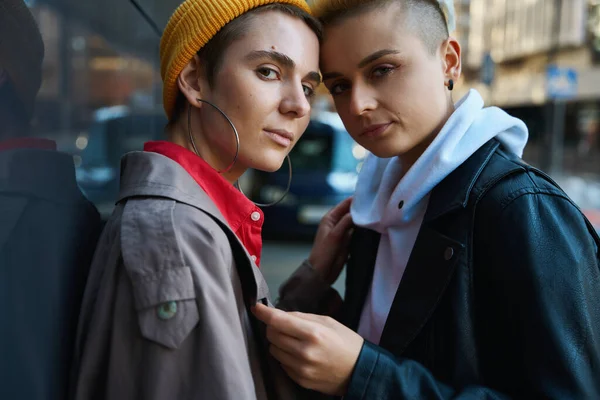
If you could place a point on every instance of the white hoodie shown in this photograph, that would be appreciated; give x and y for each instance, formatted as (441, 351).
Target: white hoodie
(379, 192)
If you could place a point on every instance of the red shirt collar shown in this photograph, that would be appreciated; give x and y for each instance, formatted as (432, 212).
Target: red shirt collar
(242, 215)
(27, 143)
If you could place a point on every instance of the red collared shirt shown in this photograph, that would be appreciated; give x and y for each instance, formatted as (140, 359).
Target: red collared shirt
(243, 216)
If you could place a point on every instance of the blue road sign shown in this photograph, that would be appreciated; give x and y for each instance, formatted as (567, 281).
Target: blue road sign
(561, 83)
(488, 69)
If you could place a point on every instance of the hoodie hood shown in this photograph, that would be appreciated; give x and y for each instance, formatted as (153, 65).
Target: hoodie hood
(380, 189)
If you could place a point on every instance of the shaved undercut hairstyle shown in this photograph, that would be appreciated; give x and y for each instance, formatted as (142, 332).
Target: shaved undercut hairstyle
(423, 17)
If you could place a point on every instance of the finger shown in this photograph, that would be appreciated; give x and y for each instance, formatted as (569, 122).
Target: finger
(299, 378)
(262, 312)
(337, 212)
(296, 369)
(343, 251)
(344, 248)
(319, 319)
(295, 376)
(284, 322)
(325, 322)
(287, 360)
(338, 265)
(287, 343)
(343, 226)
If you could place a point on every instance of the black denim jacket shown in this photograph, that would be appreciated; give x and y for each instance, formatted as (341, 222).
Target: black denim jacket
(500, 298)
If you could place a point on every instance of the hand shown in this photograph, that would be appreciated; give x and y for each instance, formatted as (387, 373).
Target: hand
(317, 352)
(331, 246)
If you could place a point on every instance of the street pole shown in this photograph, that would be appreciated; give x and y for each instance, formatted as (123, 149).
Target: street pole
(558, 107)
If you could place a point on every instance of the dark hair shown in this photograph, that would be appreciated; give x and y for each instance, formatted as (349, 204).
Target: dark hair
(423, 17)
(211, 55)
(13, 115)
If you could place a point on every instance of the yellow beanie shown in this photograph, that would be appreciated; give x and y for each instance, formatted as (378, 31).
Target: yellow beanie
(191, 26)
(21, 51)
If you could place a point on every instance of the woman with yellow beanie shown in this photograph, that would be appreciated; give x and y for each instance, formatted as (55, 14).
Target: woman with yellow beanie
(166, 314)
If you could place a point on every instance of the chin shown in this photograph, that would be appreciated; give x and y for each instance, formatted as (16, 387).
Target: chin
(382, 149)
(384, 152)
(389, 148)
(269, 163)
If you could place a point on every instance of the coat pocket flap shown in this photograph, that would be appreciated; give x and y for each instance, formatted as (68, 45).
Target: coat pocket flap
(170, 323)
(171, 284)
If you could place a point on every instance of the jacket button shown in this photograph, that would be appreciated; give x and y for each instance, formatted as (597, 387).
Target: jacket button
(253, 258)
(255, 216)
(401, 204)
(449, 253)
(167, 310)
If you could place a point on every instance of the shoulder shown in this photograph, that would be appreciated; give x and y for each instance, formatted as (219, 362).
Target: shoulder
(163, 231)
(525, 225)
(522, 206)
(506, 181)
(160, 218)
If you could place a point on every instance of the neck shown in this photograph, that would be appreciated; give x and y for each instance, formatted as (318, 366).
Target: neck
(409, 158)
(178, 134)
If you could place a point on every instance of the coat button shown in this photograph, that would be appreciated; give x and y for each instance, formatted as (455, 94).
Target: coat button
(253, 258)
(167, 310)
(255, 216)
(401, 204)
(449, 253)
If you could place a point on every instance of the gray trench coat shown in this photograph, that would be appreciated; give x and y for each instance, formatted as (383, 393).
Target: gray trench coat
(164, 314)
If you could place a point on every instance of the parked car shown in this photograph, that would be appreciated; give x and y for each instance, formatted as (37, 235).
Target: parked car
(326, 162)
(101, 149)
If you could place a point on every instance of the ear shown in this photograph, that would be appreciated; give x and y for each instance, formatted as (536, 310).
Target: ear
(451, 59)
(192, 81)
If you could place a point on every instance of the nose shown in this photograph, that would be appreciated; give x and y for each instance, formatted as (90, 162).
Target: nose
(361, 99)
(294, 101)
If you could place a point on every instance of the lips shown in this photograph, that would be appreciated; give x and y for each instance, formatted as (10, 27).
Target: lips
(281, 137)
(375, 129)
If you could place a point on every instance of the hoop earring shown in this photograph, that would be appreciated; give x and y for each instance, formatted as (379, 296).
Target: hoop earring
(450, 84)
(237, 152)
(287, 189)
(237, 137)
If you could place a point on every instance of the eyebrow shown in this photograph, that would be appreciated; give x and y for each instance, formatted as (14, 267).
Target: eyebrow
(378, 54)
(331, 75)
(314, 76)
(364, 62)
(283, 60)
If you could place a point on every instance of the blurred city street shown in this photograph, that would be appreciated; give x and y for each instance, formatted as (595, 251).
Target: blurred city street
(280, 260)
(140, 138)
(585, 192)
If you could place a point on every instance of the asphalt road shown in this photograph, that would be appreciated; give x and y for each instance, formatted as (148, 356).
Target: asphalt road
(280, 259)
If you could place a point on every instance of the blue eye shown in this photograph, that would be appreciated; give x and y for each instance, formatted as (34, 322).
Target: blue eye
(382, 71)
(308, 91)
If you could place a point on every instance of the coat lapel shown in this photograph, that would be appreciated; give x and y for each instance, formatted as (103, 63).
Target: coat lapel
(435, 254)
(359, 274)
(429, 269)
